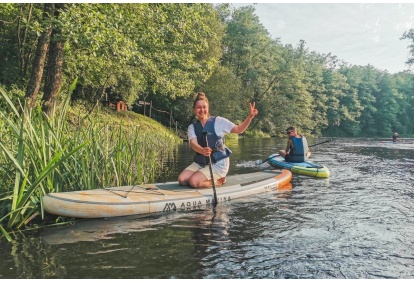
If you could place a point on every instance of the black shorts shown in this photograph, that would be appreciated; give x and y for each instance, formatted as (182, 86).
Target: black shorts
(287, 158)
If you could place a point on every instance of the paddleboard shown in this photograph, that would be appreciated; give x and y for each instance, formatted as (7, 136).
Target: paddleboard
(160, 197)
(302, 168)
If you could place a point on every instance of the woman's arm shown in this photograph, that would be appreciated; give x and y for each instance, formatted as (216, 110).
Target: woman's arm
(239, 129)
(206, 151)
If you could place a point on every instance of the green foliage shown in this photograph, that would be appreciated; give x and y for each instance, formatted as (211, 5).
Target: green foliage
(16, 95)
(67, 151)
(32, 148)
(19, 28)
(253, 57)
(410, 35)
(167, 47)
(222, 87)
(387, 106)
(405, 116)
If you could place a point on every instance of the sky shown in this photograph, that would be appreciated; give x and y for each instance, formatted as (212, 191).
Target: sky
(359, 34)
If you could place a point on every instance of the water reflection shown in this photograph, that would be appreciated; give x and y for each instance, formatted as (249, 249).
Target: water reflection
(356, 224)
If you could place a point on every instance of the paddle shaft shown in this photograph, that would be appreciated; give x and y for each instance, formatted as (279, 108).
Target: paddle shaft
(211, 172)
(267, 159)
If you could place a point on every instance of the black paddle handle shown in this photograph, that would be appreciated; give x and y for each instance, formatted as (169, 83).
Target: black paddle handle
(211, 172)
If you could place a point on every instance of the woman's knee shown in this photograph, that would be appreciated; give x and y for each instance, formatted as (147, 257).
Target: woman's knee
(182, 181)
(193, 182)
(183, 178)
(198, 181)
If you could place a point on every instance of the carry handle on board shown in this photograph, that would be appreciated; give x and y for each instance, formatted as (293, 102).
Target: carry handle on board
(258, 162)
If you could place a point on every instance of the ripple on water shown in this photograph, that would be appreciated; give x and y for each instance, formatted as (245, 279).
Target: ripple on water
(356, 224)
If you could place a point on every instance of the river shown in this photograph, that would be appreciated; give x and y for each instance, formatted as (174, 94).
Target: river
(356, 224)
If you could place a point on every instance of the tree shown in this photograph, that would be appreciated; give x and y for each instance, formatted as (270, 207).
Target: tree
(19, 26)
(289, 100)
(53, 80)
(164, 48)
(224, 92)
(252, 56)
(315, 68)
(404, 83)
(170, 47)
(409, 35)
(387, 106)
(40, 56)
(365, 79)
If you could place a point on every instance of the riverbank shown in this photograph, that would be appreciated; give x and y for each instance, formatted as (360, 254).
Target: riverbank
(73, 149)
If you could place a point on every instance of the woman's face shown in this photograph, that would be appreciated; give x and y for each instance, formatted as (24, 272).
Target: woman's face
(201, 110)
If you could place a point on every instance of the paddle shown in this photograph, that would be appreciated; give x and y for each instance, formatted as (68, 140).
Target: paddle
(211, 172)
(258, 162)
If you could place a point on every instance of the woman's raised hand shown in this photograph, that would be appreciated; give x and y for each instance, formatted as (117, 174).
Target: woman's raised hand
(253, 110)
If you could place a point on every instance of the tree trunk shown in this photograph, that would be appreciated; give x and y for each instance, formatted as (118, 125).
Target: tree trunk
(22, 43)
(53, 80)
(39, 61)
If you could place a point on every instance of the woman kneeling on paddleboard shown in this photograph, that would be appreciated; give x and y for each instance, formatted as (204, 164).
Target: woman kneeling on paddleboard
(297, 149)
(206, 137)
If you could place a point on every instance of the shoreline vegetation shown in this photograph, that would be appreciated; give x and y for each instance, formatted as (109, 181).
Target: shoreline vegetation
(69, 150)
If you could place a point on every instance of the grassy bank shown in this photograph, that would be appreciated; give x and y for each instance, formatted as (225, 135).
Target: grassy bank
(72, 149)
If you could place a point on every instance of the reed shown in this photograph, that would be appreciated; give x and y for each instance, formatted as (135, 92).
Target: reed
(40, 154)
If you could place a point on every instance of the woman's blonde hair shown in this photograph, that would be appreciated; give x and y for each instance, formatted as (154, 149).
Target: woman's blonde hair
(200, 96)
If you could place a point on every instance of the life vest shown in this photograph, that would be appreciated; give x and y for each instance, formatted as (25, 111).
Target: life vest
(216, 143)
(297, 152)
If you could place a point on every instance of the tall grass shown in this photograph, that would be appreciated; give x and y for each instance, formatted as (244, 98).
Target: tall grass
(40, 154)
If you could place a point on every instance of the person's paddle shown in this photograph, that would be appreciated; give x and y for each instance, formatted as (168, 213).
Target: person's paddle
(211, 172)
(258, 162)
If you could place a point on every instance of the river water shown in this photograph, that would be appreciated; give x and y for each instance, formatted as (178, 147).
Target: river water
(358, 223)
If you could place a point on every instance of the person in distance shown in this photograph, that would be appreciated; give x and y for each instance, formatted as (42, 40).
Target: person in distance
(297, 149)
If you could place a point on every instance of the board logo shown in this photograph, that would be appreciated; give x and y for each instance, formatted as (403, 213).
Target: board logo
(169, 206)
(191, 205)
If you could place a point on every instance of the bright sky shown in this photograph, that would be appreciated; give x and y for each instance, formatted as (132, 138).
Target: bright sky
(359, 34)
